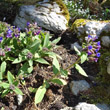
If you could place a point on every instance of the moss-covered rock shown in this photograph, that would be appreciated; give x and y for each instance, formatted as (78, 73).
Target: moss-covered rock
(65, 11)
(84, 27)
(51, 15)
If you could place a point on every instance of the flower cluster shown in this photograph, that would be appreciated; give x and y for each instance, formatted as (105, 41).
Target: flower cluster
(92, 48)
(29, 55)
(33, 28)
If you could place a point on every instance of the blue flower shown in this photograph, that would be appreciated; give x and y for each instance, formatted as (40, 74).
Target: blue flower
(98, 43)
(98, 54)
(96, 50)
(89, 53)
(9, 31)
(90, 47)
(28, 23)
(95, 38)
(9, 35)
(1, 38)
(89, 36)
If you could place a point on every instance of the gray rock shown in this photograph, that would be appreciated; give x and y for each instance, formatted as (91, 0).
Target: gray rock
(48, 16)
(78, 86)
(106, 41)
(86, 106)
(76, 44)
(103, 106)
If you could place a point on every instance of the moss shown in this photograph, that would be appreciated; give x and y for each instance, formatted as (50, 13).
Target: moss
(104, 59)
(64, 9)
(82, 22)
(79, 22)
(100, 94)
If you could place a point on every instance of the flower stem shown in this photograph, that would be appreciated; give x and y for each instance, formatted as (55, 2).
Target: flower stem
(72, 65)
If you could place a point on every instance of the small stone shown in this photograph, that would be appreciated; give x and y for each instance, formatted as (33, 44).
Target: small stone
(78, 86)
(76, 44)
(106, 41)
(19, 99)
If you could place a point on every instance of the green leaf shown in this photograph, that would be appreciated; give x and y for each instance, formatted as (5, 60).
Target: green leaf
(4, 93)
(10, 58)
(30, 69)
(18, 91)
(59, 81)
(41, 60)
(20, 59)
(25, 69)
(31, 89)
(46, 84)
(15, 44)
(34, 47)
(10, 77)
(4, 85)
(56, 67)
(2, 69)
(64, 72)
(30, 62)
(80, 70)
(78, 52)
(25, 51)
(56, 40)
(40, 94)
(46, 40)
(36, 42)
(52, 55)
(83, 57)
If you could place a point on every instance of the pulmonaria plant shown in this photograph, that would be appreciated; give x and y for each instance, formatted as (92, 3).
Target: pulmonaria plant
(92, 48)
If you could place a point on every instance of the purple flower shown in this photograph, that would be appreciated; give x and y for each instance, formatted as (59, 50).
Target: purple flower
(9, 31)
(7, 49)
(9, 35)
(95, 38)
(1, 38)
(90, 47)
(89, 53)
(89, 36)
(98, 43)
(19, 29)
(28, 23)
(96, 50)
(95, 59)
(98, 47)
(98, 54)
(17, 35)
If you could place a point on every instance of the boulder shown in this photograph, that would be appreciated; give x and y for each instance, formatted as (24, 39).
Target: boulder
(51, 15)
